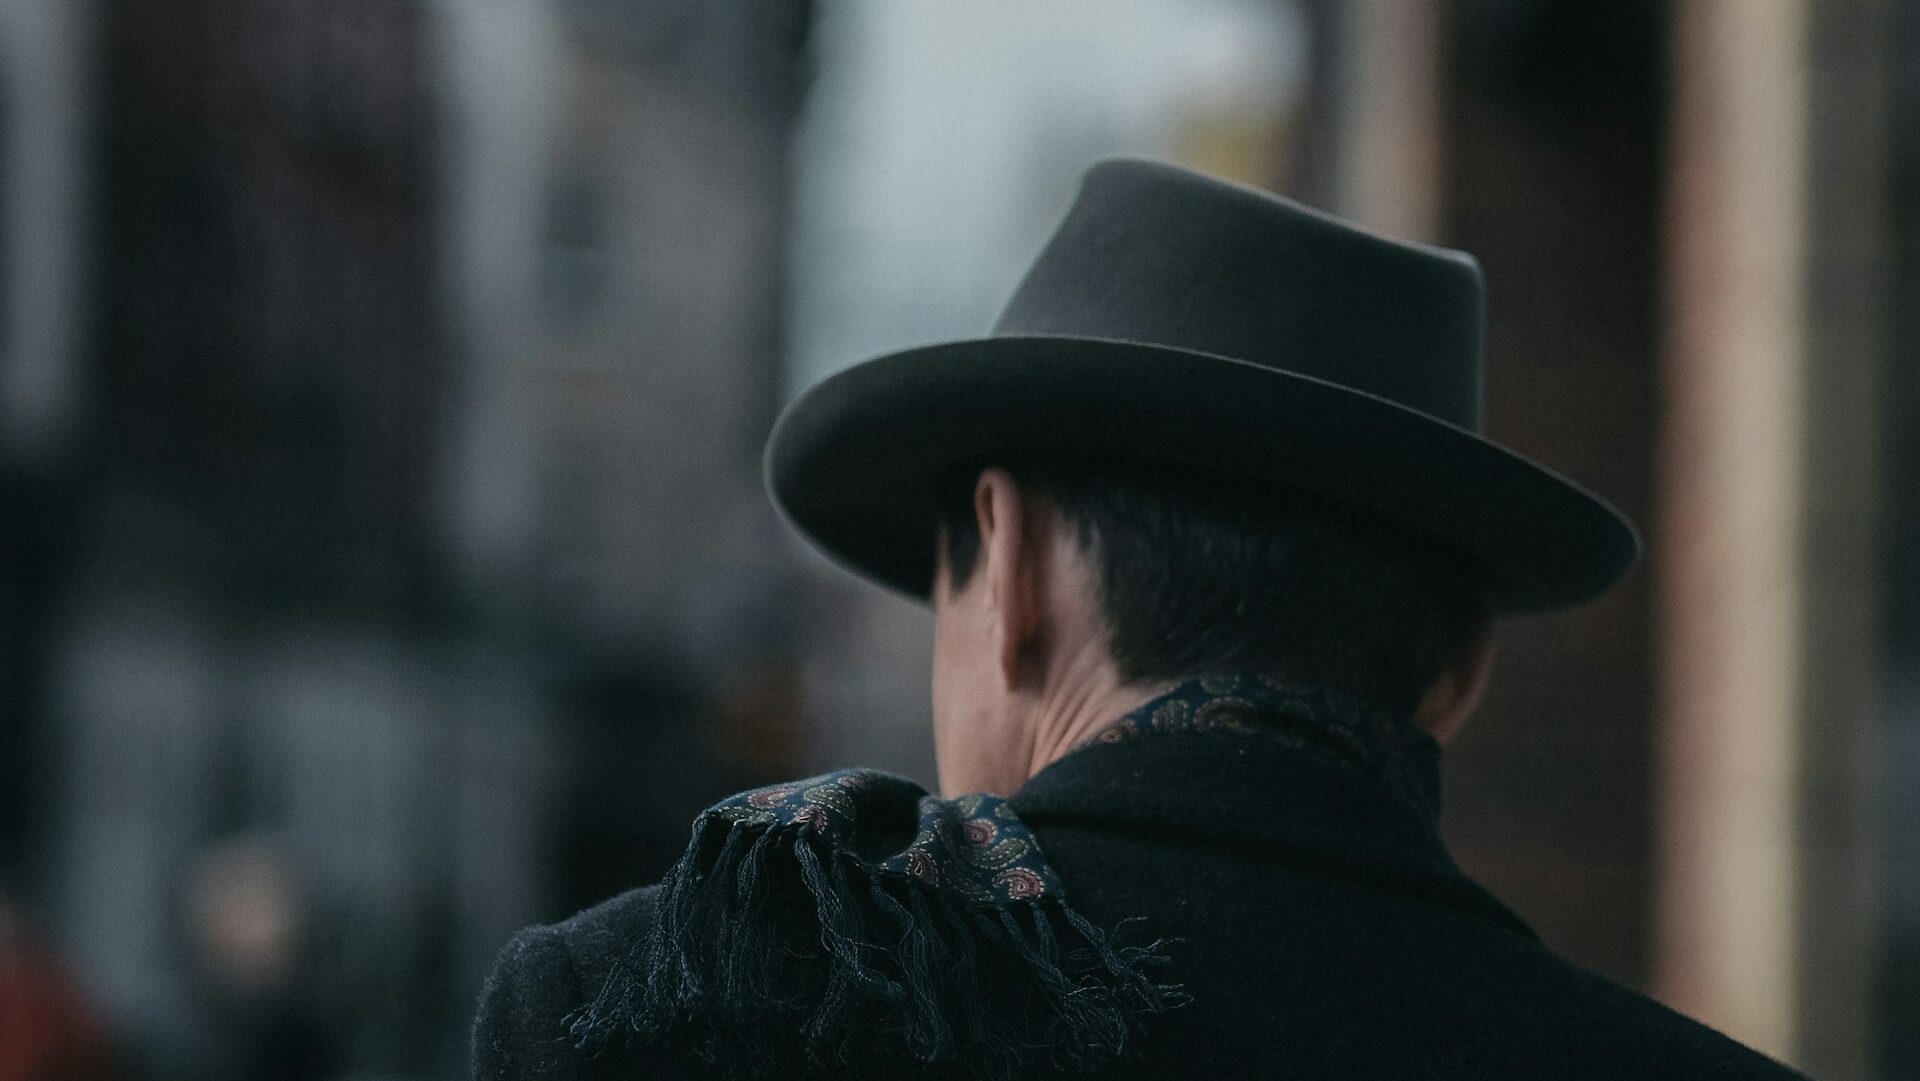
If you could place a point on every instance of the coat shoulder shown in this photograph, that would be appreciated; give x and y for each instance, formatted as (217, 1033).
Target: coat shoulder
(1608, 1029)
(541, 977)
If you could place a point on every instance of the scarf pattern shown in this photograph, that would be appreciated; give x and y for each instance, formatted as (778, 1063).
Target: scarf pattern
(856, 924)
(974, 847)
(1329, 723)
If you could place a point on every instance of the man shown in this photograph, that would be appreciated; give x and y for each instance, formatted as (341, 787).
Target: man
(1214, 549)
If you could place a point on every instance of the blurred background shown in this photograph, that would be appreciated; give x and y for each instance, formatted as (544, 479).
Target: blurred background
(383, 560)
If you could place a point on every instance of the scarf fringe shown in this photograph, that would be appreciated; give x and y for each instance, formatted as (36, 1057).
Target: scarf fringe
(883, 971)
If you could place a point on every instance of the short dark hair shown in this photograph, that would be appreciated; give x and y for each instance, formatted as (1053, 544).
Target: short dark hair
(1202, 573)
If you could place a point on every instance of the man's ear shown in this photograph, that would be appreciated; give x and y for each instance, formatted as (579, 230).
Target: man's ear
(1009, 560)
(1461, 685)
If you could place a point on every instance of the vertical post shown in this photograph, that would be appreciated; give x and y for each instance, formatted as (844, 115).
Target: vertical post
(1389, 156)
(44, 105)
(1387, 161)
(496, 71)
(1763, 542)
(1729, 542)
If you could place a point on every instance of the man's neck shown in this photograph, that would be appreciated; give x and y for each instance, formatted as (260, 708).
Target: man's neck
(1086, 695)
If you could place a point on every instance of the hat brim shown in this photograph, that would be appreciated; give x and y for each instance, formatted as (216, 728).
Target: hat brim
(854, 463)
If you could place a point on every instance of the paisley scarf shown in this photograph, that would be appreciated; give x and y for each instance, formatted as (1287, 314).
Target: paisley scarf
(855, 923)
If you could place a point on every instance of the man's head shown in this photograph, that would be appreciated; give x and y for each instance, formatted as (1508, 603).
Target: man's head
(1066, 586)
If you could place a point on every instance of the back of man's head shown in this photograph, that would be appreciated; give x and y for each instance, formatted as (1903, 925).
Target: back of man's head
(1200, 573)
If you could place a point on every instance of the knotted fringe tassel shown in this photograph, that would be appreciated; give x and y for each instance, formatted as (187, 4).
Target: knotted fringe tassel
(769, 952)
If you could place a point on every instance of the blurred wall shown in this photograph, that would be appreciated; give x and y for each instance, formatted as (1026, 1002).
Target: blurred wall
(395, 574)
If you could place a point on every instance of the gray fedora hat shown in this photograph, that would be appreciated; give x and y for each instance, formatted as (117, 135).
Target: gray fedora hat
(1179, 319)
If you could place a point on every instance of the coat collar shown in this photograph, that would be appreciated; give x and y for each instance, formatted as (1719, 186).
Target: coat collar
(1252, 791)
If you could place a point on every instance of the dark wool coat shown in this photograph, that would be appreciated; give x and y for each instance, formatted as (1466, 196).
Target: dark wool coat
(1326, 934)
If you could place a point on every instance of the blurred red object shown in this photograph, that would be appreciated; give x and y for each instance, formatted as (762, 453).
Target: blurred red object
(47, 1030)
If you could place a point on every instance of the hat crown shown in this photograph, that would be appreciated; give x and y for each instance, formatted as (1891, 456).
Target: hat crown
(1156, 254)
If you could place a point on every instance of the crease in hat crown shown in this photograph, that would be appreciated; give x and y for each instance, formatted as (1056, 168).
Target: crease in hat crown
(1151, 252)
